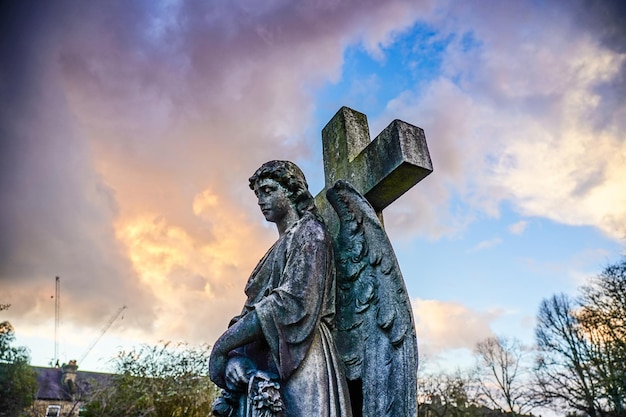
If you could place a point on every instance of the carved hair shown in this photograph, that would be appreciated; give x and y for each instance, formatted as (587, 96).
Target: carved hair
(290, 176)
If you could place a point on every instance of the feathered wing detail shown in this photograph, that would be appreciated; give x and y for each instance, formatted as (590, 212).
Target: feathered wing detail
(375, 329)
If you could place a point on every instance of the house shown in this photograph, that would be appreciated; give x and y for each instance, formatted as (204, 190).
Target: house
(62, 391)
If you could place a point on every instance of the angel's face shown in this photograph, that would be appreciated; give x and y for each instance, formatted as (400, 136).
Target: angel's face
(273, 199)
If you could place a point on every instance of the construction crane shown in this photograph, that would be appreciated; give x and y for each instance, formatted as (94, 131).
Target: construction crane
(102, 332)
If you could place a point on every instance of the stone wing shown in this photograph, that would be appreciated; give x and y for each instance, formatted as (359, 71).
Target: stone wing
(375, 329)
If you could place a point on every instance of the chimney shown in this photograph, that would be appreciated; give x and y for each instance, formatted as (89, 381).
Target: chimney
(68, 376)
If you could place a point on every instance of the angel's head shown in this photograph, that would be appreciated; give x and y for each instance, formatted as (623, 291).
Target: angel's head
(291, 179)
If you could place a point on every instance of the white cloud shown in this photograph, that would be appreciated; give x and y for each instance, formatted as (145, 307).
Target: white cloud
(486, 244)
(519, 227)
(522, 118)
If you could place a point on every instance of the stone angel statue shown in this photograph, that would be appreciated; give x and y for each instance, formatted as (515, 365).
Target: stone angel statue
(286, 327)
(326, 329)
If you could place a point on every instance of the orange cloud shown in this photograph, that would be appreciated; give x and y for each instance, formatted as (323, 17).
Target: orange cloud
(196, 279)
(443, 325)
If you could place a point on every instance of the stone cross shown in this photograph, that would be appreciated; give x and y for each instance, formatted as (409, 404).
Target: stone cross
(382, 170)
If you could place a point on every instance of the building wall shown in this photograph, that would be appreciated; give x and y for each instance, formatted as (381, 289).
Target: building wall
(68, 408)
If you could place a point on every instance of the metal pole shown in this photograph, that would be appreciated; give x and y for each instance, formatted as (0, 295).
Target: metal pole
(57, 315)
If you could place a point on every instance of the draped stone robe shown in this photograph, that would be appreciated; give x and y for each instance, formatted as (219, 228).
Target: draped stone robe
(292, 290)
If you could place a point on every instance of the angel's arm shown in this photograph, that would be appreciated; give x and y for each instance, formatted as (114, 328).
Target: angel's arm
(244, 331)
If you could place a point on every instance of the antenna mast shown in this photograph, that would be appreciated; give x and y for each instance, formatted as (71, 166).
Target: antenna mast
(57, 315)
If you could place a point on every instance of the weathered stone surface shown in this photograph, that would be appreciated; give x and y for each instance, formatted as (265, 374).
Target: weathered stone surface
(288, 338)
(382, 170)
(375, 330)
(283, 337)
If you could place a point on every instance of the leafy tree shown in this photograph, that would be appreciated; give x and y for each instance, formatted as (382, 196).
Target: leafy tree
(503, 375)
(18, 382)
(157, 381)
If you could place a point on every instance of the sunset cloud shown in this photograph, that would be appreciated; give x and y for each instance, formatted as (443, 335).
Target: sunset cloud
(129, 133)
(129, 130)
(444, 325)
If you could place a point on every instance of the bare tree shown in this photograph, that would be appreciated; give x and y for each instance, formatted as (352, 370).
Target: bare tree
(565, 372)
(503, 375)
(582, 344)
(603, 316)
(443, 394)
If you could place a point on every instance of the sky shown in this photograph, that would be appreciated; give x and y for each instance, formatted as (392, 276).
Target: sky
(128, 130)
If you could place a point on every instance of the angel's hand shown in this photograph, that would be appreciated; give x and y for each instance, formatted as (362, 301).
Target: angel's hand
(238, 372)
